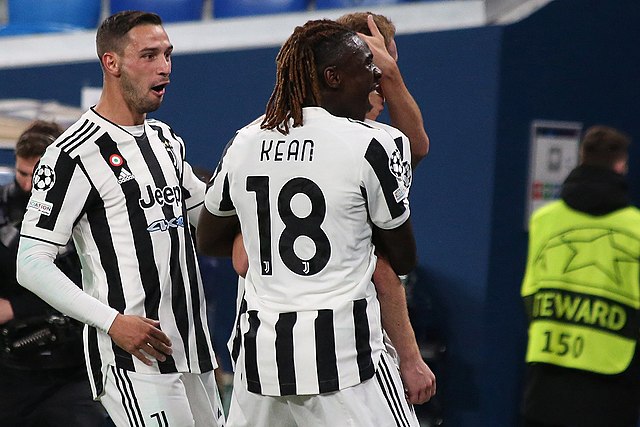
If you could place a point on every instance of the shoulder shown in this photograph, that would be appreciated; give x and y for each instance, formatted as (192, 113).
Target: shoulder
(82, 134)
(163, 129)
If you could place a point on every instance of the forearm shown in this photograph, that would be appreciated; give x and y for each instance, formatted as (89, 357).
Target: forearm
(418, 379)
(405, 113)
(395, 317)
(37, 272)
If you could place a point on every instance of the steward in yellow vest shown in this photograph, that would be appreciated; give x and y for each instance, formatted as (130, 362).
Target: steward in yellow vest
(581, 291)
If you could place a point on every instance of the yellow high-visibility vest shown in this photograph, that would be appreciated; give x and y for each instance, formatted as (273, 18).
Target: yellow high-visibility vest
(582, 288)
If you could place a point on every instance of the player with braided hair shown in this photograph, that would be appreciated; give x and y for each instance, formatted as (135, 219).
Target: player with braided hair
(310, 185)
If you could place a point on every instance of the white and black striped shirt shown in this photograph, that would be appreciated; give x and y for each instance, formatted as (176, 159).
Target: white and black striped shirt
(127, 202)
(310, 319)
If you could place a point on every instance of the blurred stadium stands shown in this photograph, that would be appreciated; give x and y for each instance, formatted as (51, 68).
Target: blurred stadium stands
(20, 17)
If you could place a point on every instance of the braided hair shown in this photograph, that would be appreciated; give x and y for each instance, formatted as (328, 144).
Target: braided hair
(299, 70)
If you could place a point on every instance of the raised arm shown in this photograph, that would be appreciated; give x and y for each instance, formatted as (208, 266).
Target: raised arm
(404, 112)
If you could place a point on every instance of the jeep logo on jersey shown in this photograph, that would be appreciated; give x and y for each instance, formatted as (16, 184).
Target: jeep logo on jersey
(167, 195)
(165, 224)
(43, 178)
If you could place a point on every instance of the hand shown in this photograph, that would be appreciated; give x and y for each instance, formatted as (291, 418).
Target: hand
(377, 105)
(139, 336)
(381, 56)
(419, 381)
(6, 311)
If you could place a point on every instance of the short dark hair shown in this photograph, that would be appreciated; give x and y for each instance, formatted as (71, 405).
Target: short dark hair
(36, 138)
(357, 21)
(604, 146)
(114, 28)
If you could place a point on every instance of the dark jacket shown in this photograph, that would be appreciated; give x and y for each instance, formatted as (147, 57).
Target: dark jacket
(32, 316)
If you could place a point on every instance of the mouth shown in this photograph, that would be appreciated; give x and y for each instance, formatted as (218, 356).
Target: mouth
(160, 88)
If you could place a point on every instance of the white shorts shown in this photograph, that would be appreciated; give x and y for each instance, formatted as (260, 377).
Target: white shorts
(162, 400)
(379, 401)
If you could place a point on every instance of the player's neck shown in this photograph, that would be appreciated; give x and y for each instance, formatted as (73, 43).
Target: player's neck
(114, 108)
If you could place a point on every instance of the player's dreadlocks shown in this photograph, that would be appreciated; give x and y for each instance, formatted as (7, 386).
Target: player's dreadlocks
(299, 71)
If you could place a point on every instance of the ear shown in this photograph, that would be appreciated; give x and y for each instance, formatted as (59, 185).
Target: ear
(332, 77)
(111, 63)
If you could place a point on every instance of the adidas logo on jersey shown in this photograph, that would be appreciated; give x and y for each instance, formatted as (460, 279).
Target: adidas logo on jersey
(125, 176)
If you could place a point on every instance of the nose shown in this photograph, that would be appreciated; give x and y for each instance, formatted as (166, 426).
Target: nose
(165, 66)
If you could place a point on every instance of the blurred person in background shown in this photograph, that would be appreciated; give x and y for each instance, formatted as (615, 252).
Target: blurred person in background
(43, 380)
(581, 290)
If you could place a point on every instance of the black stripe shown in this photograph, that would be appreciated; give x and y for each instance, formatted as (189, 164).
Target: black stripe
(363, 348)
(379, 161)
(326, 352)
(284, 353)
(132, 395)
(178, 294)
(219, 167)
(101, 232)
(95, 362)
(251, 354)
(138, 224)
(85, 127)
(63, 171)
(386, 397)
(393, 391)
(82, 140)
(204, 356)
(124, 397)
(225, 201)
(237, 339)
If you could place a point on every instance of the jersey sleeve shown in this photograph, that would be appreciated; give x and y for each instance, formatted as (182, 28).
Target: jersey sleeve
(195, 189)
(217, 198)
(59, 195)
(382, 180)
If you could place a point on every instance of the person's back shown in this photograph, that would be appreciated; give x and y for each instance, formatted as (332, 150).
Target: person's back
(310, 187)
(315, 176)
(582, 294)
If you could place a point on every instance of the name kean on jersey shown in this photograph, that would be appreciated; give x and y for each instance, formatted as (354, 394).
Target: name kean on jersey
(287, 151)
(579, 309)
(167, 195)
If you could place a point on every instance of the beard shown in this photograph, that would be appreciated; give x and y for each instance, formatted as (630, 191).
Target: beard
(136, 97)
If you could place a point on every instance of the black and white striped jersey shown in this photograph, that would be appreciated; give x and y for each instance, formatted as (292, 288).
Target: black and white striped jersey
(310, 319)
(127, 201)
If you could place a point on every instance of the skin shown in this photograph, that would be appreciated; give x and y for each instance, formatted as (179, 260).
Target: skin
(135, 80)
(24, 172)
(134, 84)
(346, 90)
(403, 109)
